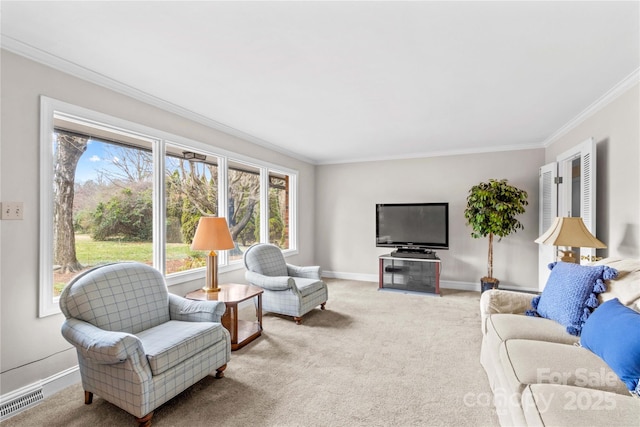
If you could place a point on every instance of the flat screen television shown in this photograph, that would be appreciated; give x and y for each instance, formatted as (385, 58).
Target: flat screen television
(413, 225)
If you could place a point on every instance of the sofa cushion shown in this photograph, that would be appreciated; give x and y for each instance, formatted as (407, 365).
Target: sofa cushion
(565, 405)
(625, 287)
(536, 362)
(571, 293)
(173, 342)
(502, 327)
(613, 333)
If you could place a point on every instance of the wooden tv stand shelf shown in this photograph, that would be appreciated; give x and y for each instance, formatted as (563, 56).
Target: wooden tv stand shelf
(410, 274)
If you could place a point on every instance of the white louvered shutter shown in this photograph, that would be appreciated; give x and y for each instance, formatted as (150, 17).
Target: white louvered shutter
(585, 190)
(548, 197)
(588, 194)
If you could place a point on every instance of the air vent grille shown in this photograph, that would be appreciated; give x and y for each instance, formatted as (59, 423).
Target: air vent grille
(16, 405)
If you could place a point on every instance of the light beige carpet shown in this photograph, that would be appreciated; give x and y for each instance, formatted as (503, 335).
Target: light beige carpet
(371, 359)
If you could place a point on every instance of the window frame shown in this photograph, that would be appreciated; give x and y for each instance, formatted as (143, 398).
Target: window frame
(48, 304)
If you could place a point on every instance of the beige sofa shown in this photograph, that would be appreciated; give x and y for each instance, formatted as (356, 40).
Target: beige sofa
(539, 374)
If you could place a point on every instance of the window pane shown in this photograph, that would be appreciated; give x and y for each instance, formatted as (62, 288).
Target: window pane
(102, 199)
(192, 191)
(279, 210)
(244, 207)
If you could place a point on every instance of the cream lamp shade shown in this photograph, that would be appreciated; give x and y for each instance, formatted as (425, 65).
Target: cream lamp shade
(569, 232)
(212, 234)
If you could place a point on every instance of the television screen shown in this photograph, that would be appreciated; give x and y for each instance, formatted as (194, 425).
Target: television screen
(419, 225)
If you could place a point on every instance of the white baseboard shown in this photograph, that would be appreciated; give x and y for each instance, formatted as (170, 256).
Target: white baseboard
(30, 395)
(444, 284)
(460, 286)
(350, 276)
(60, 381)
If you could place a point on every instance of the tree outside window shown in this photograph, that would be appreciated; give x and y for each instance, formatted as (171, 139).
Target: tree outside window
(244, 207)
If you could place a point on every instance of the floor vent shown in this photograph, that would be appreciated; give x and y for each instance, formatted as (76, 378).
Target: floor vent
(22, 402)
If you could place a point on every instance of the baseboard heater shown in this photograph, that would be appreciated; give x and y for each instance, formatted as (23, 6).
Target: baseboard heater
(20, 403)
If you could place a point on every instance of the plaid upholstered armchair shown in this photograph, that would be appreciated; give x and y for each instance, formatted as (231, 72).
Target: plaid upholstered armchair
(288, 289)
(138, 345)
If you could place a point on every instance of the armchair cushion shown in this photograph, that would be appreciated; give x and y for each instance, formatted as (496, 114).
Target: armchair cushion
(173, 342)
(308, 286)
(118, 299)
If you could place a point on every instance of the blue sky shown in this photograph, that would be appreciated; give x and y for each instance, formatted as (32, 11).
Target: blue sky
(93, 159)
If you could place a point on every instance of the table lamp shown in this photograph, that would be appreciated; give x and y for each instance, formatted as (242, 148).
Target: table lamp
(569, 232)
(212, 234)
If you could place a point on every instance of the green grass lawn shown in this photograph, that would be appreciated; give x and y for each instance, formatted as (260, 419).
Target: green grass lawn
(91, 253)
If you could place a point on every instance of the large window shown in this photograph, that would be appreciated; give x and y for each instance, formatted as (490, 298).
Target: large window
(117, 191)
(191, 191)
(244, 206)
(279, 189)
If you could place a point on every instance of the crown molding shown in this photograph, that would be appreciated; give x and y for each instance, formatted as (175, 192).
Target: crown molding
(479, 150)
(19, 48)
(612, 94)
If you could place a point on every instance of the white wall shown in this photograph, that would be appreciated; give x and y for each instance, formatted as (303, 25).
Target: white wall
(347, 194)
(616, 130)
(32, 348)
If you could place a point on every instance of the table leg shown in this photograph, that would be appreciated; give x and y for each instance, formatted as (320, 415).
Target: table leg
(259, 313)
(234, 324)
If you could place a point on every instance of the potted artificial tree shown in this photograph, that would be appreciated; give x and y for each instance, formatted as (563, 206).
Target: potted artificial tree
(491, 211)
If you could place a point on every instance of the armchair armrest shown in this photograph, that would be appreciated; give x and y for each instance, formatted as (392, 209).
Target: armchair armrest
(310, 272)
(501, 301)
(100, 346)
(195, 311)
(275, 283)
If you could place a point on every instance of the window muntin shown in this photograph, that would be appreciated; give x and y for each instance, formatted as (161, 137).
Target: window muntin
(163, 149)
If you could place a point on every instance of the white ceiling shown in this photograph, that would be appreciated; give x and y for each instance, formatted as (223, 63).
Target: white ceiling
(350, 81)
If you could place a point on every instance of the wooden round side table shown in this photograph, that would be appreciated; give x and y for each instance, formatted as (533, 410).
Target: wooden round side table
(242, 331)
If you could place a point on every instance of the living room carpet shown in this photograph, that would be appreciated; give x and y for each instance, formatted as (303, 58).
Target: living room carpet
(371, 359)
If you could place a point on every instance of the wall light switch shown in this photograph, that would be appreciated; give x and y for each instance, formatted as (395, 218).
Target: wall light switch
(11, 210)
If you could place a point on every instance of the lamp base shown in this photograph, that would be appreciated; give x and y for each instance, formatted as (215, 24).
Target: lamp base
(567, 256)
(211, 280)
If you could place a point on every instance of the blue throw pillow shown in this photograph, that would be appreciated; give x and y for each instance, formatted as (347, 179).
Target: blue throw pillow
(613, 333)
(571, 294)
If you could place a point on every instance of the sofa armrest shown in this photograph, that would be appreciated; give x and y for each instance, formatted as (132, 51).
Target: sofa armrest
(309, 272)
(100, 346)
(195, 311)
(501, 301)
(275, 283)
